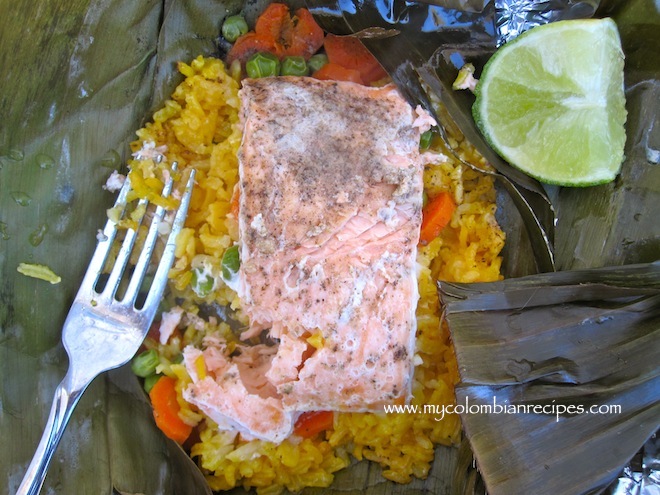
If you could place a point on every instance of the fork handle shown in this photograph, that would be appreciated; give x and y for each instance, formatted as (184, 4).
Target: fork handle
(64, 402)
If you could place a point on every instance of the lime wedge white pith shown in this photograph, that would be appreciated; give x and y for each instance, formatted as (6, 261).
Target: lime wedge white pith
(552, 102)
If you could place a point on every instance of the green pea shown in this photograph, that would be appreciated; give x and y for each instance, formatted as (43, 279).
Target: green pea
(294, 66)
(317, 61)
(234, 27)
(262, 64)
(231, 262)
(145, 364)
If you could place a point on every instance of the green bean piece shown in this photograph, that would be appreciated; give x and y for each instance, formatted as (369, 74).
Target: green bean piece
(425, 140)
(262, 64)
(234, 27)
(425, 199)
(231, 262)
(144, 364)
(150, 381)
(294, 66)
(317, 61)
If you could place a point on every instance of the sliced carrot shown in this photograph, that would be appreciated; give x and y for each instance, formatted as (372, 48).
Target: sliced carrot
(277, 32)
(274, 22)
(350, 53)
(166, 410)
(313, 422)
(306, 37)
(335, 72)
(435, 217)
(251, 43)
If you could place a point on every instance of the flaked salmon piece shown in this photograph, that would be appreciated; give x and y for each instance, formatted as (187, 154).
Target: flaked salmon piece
(234, 392)
(330, 210)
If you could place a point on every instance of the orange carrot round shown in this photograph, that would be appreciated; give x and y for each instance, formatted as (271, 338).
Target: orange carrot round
(166, 410)
(313, 422)
(306, 37)
(251, 43)
(334, 72)
(350, 53)
(435, 217)
(274, 22)
(281, 34)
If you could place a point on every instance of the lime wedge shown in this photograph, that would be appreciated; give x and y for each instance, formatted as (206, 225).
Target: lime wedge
(552, 103)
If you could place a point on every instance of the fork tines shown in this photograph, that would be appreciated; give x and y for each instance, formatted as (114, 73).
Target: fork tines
(122, 288)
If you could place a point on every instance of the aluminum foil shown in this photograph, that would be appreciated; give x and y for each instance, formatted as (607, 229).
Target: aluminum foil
(461, 5)
(513, 17)
(642, 475)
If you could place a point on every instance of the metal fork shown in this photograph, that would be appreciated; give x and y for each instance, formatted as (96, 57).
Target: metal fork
(104, 330)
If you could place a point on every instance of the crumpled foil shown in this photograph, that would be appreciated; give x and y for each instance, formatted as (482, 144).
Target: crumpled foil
(513, 17)
(642, 475)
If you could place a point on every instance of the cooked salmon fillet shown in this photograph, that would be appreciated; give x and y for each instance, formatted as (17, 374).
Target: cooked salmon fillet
(330, 210)
(235, 394)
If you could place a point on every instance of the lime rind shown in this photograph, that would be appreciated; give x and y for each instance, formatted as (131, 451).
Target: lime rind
(551, 102)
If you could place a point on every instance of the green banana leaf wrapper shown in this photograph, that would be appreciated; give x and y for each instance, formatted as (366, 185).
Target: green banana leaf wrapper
(560, 384)
(79, 77)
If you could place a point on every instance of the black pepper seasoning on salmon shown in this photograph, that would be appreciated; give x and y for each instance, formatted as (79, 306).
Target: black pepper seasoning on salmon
(330, 210)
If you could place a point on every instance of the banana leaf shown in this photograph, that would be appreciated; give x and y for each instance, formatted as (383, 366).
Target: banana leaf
(563, 343)
(79, 78)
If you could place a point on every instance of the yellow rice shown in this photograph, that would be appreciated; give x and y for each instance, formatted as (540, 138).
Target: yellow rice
(200, 128)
